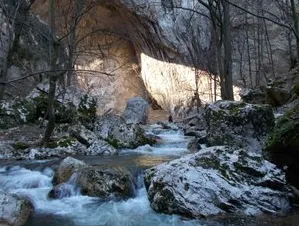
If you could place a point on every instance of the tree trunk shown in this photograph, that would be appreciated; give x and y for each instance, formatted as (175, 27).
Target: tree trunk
(296, 25)
(52, 79)
(227, 53)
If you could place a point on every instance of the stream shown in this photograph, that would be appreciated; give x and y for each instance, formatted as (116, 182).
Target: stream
(33, 180)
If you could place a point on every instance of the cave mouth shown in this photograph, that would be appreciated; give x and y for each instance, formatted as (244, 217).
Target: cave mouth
(118, 42)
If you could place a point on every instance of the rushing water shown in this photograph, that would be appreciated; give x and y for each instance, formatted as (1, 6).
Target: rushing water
(33, 180)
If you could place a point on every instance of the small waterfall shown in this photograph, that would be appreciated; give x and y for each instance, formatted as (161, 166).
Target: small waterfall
(66, 189)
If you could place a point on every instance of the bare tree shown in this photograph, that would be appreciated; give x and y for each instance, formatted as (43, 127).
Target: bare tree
(53, 51)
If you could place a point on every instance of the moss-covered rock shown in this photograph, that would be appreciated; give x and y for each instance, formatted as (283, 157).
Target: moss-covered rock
(20, 145)
(238, 124)
(283, 144)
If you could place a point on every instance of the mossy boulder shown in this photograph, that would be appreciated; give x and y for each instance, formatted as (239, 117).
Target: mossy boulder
(283, 144)
(19, 145)
(238, 124)
(216, 181)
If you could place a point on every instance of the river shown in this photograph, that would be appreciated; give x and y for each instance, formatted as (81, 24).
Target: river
(33, 180)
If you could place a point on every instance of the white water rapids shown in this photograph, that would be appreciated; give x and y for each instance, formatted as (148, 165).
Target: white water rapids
(34, 180)
(89, 211)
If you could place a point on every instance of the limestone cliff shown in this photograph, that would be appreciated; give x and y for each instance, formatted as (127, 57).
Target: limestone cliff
(153, 47)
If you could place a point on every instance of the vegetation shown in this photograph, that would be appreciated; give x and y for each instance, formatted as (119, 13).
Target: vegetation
(283, 144)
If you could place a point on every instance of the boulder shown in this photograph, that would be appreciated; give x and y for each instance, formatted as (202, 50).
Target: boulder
(238, 124)
(83, 135)
(217, 180)
(113, 128)
(254, 96)
(66, 169)
(283, 144)
(105, 182)
(14, 211)
(136, 111)
(101, 147)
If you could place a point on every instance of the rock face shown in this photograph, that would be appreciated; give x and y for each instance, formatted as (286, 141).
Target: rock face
(165, 39)
(283, 145)
(136, 111)
(217, 180)
(113, 128)
(238, 124)
(14, 211)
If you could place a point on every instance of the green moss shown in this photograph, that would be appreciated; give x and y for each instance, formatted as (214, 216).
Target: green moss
(20, 145)
(64, 142)
(285, 136)
(114, 142)
(87, 109)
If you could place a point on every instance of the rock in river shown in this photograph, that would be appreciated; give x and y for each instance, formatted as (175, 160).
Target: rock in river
(217, 180)
(14, 211)
(96, 181)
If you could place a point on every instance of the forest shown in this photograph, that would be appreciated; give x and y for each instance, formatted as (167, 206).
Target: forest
(168, 112)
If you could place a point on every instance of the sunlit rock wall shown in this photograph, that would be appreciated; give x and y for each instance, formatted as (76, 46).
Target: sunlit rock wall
(157, 44)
